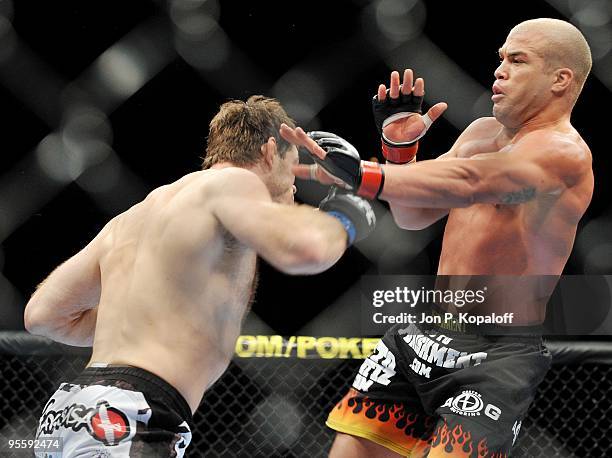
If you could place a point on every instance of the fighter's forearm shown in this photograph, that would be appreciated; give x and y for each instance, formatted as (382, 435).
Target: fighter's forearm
(61, 310)
(78, 332)
(304, 241)
(430, 184)
(456, 183)
(413, 218)
(294, 239)
(332, 242)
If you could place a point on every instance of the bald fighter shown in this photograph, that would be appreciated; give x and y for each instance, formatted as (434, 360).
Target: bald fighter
(514, 187)
(162, 290)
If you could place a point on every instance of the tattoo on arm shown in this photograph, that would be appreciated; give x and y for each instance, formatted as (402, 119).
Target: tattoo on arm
(518, 197)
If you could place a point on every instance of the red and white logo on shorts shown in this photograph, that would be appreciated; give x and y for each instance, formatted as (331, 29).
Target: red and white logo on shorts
(109, 425)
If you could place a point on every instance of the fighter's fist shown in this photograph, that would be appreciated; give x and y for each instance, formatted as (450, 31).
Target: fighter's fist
(337, 162)
(342, 161)
(355, 213)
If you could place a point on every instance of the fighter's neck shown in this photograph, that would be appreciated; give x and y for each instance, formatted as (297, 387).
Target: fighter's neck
(256, 169)
(538, 122)
(225, 165)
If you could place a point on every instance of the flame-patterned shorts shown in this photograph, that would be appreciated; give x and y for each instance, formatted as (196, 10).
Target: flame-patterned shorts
(444, 394)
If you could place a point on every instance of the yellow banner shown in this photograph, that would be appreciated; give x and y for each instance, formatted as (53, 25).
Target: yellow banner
(305, 347)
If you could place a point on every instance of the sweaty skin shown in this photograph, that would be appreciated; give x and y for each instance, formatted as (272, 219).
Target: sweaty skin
(531, 173)
(514, 186)
(176, 286)
(165, 285)
(515, 201)
(531, 234)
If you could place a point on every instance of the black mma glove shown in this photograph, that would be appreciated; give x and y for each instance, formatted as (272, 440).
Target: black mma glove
(390, 110)
(355, 213)
(342, 161)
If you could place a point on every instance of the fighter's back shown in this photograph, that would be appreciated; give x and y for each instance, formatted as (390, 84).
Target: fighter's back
(160, 293)
(173, 282)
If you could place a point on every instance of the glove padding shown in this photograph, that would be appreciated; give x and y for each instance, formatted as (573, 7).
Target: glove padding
(355, 213)
(390, 110)
(342, 161)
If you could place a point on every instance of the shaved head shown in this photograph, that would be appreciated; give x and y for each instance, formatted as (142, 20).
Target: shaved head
(562, 46)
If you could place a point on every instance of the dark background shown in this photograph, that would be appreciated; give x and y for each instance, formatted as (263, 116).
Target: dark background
(104, 101)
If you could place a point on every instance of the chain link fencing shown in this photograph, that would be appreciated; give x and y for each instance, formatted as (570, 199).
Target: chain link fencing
(277, 406)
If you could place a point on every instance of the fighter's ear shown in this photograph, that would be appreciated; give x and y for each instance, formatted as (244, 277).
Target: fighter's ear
(268, 152)
(563, 79)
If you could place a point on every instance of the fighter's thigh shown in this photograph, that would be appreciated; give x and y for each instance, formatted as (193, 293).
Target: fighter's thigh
(399, 426)
(382, 407)
(347, 446)
(455, 436)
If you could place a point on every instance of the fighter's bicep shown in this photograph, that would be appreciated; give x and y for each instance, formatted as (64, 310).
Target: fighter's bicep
(81, 279)
(553, 165)
(512, 180)
(81, 276)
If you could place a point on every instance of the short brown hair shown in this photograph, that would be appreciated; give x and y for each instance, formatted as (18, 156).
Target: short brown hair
(240, 128)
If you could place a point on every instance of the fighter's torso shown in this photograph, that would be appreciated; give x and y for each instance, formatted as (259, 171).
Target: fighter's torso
(175, 287)
(533, 238)
(486, 239)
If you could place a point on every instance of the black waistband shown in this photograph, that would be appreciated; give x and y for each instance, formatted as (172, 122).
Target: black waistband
(128, 374)
(527, 334)
(499, 328)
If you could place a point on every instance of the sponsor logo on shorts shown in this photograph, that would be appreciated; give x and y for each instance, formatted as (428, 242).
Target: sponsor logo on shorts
(185, 439)
(379, 367)
(434, 349)
(516, 427)
(470, 404)
(104, 423)
(109, 425)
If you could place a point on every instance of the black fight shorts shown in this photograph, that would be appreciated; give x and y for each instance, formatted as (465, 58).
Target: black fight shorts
(426, 390)
(117, 411)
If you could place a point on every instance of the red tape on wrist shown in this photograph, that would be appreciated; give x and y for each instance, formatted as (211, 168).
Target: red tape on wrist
(372, 180)
(399, 154)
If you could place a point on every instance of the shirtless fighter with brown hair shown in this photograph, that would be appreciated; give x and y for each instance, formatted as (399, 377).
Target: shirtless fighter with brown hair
(162, 290)
(514, 187)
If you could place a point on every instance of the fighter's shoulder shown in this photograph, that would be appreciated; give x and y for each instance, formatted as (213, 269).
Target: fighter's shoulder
(230, 180)
(482, 127)
(480, 130)
(564, 145)
(562, 153)
(486, 122)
